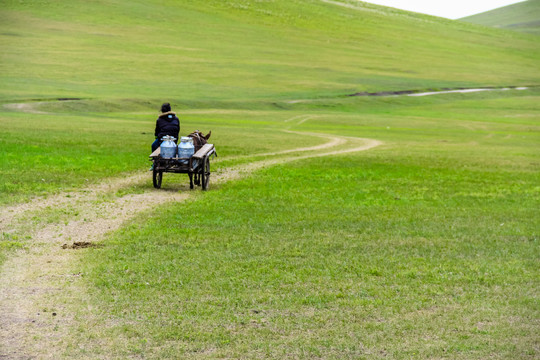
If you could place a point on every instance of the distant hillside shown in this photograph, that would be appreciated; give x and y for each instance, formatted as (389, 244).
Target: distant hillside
(244, 49)
(523, 16)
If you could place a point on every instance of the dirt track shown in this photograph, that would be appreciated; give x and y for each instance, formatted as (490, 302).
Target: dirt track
(36, 285)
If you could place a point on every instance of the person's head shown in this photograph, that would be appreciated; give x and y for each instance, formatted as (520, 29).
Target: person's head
(166, 107)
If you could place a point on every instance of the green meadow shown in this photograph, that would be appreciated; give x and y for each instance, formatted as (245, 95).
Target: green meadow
(426, 246)
(523, 16)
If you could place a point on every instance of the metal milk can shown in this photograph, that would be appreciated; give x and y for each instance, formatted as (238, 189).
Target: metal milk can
(185, 149)
(168, 147)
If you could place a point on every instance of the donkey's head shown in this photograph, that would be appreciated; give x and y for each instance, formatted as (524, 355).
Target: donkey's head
(199, 139)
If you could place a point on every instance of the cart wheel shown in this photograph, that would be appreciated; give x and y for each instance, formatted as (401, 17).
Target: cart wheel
(205, 174)
(157, 176)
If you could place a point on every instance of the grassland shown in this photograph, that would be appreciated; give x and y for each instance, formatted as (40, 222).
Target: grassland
(119, 58)
(418, 249)
(424, 247)
(243, 50)
(523, 17)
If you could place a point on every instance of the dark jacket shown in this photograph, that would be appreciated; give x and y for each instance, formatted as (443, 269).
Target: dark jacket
(167, 124)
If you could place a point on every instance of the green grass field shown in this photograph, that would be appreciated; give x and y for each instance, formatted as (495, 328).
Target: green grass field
(423, 247)
(523, 16)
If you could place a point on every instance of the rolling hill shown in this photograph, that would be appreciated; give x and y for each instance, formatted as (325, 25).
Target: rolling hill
(335, 226)
(224, 50)
(523, 16)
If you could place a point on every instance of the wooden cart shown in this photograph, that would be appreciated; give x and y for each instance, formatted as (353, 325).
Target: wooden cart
(197, 166)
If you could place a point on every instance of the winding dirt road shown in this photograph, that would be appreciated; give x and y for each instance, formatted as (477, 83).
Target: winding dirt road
(37, 284)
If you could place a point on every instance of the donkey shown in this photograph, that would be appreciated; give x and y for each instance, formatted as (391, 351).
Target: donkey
(199, 139)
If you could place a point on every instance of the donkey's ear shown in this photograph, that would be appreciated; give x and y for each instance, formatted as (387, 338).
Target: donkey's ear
(208, 135)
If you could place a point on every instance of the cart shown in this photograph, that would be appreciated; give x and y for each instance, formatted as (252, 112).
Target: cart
(197, 166)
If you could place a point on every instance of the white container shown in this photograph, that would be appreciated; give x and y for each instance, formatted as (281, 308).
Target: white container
(168, 147)
(185, 149)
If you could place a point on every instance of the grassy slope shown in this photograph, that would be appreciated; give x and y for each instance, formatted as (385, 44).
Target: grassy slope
(523, 16)
(238, 50)
(123, 57)
(424, 248)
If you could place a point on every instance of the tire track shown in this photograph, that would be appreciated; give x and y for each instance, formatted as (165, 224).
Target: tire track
(36, 283)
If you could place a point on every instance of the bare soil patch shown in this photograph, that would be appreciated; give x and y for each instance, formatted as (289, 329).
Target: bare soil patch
(80, 245)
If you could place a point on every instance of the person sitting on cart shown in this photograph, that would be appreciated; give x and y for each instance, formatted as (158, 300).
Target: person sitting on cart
(166, 124)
